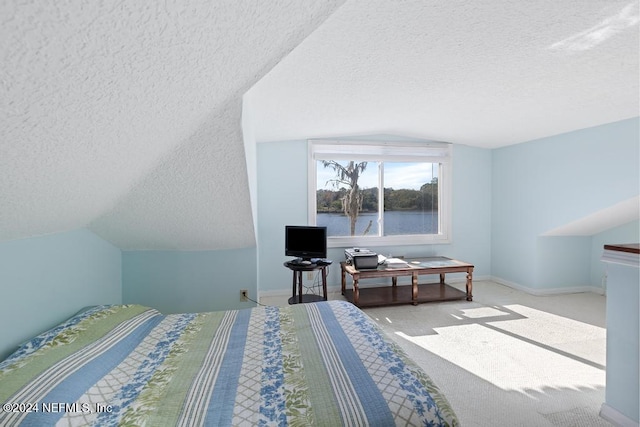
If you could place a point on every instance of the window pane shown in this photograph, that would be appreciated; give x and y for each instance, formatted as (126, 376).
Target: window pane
(347, 197)
(410, 198)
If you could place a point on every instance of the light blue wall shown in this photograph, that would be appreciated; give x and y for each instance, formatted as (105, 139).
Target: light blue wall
(282, 200)
(562, 262)
(45, 280)
(623, 330)
(177, 282)
(547, 183)
(574, 261)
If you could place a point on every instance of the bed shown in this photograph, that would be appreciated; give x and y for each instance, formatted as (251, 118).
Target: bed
(324, 363)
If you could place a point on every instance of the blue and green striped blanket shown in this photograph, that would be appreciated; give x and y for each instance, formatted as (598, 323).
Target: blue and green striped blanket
(325, 363)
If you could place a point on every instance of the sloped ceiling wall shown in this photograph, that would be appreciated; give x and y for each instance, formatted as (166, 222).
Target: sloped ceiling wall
(125, 117)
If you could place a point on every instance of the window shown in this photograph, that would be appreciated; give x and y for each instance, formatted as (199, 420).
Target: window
(380, 193)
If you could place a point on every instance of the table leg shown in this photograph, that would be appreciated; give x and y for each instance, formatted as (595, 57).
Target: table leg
(344, 279)
(414, 289)
(394, 281)
(300, 286)
(356, 291)
(324, 282)
(470, 284)
(293, 291)
(442, 278)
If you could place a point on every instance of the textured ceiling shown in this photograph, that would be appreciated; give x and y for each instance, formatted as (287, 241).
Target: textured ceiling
(126, 117)
(483, 73)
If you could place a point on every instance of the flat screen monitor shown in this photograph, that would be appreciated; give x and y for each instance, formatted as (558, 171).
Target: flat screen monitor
(306, 242)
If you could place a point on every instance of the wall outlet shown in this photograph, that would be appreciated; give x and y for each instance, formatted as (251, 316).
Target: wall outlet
(244, 295)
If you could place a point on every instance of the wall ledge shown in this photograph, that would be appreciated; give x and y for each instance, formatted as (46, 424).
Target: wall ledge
(621, 254)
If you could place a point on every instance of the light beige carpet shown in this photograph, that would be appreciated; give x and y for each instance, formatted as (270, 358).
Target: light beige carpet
(508, 358)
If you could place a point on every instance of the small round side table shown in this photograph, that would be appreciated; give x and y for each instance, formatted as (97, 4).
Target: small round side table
(297, 269)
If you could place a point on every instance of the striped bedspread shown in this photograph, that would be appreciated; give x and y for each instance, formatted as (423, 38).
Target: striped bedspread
(325, 363)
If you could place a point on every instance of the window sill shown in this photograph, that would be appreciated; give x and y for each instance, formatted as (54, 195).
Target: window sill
(399, 240)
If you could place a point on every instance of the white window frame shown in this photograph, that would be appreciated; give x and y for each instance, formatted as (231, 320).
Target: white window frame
(376, 151)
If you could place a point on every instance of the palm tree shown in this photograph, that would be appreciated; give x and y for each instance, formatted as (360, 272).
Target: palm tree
(348, 175)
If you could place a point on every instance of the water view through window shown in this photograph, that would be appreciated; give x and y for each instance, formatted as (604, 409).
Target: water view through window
(396, 222)
(408, 205)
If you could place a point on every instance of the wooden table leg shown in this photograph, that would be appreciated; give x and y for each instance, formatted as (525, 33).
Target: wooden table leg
(470, 284)
(356, 291)
(414, 289)
(300, 286)
(344, 279)
(442, 278)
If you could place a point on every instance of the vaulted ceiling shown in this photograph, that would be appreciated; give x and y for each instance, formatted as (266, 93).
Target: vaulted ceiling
(126, 118)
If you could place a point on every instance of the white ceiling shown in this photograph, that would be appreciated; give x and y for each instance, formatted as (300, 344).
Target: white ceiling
(126, 118)
(482, 73)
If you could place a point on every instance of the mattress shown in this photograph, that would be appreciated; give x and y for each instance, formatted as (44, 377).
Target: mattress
(324, 363)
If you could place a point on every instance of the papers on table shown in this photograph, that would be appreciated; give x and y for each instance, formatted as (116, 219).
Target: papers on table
(395, 262)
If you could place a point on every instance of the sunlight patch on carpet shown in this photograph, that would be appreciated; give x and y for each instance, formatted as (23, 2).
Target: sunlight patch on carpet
(530, 351)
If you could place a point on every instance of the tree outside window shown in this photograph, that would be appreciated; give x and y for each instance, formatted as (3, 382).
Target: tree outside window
(388, 195)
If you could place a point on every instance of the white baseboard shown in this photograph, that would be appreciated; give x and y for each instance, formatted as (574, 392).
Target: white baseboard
(548, 291)
(275, 293)
(616, 418)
